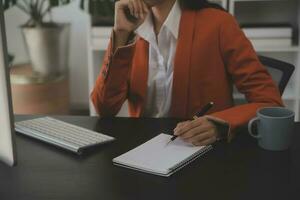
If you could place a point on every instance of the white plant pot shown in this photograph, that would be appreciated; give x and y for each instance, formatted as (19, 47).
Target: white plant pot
(48, 48)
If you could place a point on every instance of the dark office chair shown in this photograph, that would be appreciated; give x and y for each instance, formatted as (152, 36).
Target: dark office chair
(280, 71)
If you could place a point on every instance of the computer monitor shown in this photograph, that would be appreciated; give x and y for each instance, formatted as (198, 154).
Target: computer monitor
(7, 143)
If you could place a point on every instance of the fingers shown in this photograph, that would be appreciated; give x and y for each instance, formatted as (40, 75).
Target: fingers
(180, 125)
(205, 142)
(137, 8)
(192, 124)
(196, 131)
(145, 7)
(200, 138)
(131, 7)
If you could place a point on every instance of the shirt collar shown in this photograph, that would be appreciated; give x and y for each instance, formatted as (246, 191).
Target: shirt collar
(145, 30)
(173, 20)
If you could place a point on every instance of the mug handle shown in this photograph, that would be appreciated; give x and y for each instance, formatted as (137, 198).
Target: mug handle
(251, 123)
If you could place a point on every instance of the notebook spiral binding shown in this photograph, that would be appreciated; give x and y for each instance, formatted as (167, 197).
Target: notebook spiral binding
(190, 159)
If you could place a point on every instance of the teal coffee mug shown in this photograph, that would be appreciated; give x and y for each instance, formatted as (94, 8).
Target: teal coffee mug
(275, 127)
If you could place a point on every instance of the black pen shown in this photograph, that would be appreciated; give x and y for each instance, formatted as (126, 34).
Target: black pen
(202, 112)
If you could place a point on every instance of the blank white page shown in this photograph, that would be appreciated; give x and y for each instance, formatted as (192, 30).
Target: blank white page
(155, 156)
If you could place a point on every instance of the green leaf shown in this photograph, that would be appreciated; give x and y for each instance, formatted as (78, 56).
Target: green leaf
(62, 2)
(10, 59)
(82, 4)
(8, 3)
(54, 3)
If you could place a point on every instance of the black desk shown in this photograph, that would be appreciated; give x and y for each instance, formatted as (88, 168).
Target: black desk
(239, 170)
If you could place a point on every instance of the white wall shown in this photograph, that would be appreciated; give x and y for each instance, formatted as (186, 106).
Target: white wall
(78, 46)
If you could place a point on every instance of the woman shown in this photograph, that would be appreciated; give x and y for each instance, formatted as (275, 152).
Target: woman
(176, 56)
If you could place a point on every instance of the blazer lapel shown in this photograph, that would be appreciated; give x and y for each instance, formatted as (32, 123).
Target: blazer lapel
(182, 63)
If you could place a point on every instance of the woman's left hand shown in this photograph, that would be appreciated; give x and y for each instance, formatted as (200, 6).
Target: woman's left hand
(199, 132)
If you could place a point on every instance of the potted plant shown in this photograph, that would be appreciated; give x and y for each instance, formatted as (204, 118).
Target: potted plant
(101, 11)
(47, 42)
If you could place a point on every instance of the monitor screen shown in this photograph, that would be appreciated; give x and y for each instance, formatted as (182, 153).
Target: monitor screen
(7, 144)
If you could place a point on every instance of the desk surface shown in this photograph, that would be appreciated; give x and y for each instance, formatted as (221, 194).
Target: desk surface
(240, 170)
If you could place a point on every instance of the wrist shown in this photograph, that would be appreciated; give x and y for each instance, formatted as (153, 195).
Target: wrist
(222, 128)
(124, 34)
(120, 39)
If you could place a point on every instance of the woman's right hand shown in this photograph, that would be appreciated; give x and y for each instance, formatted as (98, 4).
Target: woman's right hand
(137, 9)
(123, 26)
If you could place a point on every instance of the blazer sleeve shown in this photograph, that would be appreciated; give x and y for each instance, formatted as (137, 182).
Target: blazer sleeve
(247, 73)
(111, 88)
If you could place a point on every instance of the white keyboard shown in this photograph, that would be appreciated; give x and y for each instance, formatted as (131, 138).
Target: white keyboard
(62, 134)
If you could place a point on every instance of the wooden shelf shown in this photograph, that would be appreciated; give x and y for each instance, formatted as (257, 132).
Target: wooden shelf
(223, 3)
(267, 13)
(253, 0)
(277, 49)
(289, 94)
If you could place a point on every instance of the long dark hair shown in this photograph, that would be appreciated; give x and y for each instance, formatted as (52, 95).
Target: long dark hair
(198, 4)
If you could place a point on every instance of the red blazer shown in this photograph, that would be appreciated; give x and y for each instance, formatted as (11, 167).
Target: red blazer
(212, 54)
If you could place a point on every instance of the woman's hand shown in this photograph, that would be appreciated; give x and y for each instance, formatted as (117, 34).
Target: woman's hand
(199, 132)
(137, 8)
(123, 25)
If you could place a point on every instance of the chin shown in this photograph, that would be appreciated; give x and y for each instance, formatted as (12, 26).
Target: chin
(152, 3)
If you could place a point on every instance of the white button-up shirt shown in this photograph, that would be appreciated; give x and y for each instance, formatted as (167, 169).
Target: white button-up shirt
(161, 62)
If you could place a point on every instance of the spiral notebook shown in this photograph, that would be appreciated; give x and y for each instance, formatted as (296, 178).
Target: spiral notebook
(158, 157)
